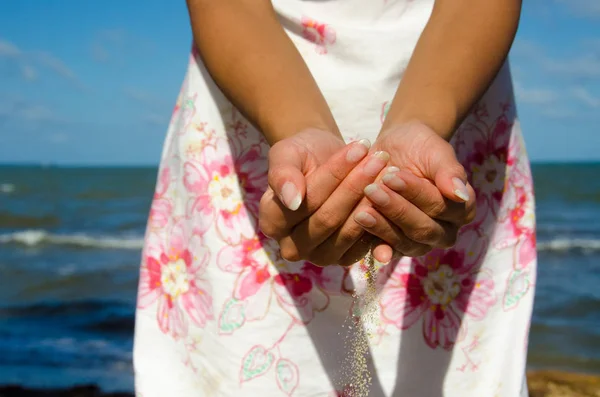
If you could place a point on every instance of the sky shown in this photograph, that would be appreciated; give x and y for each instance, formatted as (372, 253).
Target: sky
(90, 82)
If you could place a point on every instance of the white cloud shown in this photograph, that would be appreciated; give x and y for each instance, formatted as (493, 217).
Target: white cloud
(584, 66)
(29, 62)
(112, 44)
(58, 66)
(23, 111)
(535, 96)
(554, 103)
(584, 96)
(9, 50)
(588, 8)
(557, 112)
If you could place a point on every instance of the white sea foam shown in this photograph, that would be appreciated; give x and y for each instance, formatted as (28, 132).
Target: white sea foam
(33, 238)
(7, 188)
(568, 244)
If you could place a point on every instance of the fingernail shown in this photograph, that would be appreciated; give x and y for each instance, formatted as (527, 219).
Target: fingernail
(358, 150)
(365, 219)
(290, 196)
(460, 189)
(376, 163)
(393, 181)
(376, 195)
(393, 169)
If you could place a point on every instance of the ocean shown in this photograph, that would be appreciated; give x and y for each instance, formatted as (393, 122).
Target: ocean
(70, 241)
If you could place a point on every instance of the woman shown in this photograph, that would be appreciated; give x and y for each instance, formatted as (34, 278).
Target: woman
(257, 144)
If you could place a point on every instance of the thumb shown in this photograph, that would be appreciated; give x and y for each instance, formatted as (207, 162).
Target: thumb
(286, 179)
(449, 175)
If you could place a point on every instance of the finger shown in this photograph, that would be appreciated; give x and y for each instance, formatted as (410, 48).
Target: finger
(427, 197)
(349, 237)
(448, 174)
(334, 212)
(383, 253)
(277, 219)
(379, 226)
(415, 224)
(286, 179)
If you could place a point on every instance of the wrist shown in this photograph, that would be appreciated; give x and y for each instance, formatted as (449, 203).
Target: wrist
(437, 109)
(279, 128)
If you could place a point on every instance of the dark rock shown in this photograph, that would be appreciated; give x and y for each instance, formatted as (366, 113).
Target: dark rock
(78, 391)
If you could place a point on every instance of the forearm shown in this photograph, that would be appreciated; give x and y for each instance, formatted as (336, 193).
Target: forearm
(458, 55)
(255, 64)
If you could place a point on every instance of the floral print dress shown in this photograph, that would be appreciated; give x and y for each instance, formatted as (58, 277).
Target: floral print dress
(220, 313)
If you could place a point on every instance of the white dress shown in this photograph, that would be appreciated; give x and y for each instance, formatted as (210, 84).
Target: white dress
(220, 313)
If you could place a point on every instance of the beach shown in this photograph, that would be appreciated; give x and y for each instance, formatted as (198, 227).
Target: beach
(70, 241)
(541, 384)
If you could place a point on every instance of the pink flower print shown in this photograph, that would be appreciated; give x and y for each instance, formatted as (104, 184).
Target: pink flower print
(160, 213)
(262, 271)
(225, 187)
(254, 281)
(519, 168)
(172, 274)
(517, 219)
(321, 34)
(161, 209)
(444, 286)
(329, 279)
(299, 295)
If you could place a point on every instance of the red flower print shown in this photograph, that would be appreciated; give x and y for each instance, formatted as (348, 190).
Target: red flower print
(482, 145)
(444, 286)
(172, 274)
(321, 34)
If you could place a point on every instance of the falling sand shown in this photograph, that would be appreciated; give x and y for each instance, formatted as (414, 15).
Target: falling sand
(363, 325)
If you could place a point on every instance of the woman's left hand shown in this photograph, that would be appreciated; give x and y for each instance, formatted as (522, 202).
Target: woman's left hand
(423, 199)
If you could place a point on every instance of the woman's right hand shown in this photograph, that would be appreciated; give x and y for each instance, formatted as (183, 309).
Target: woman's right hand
(316, 181)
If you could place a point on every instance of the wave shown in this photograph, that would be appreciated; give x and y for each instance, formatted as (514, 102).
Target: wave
(7, 188)
(34, 238)
(567, 244)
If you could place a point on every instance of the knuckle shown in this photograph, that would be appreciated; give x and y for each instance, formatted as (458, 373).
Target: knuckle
(348, 235)
(353, 188)
(337, 173)
(326, 219)
(289, 251)
(274, 175)
(437, 208)
(423, 234)
(399, 213)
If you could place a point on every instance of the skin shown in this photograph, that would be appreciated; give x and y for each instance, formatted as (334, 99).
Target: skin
(257, 67)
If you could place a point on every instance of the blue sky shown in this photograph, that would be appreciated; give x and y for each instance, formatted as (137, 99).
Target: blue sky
(95, 82)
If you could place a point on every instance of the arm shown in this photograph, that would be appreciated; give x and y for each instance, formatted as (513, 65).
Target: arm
(458, 55)
(253, 61)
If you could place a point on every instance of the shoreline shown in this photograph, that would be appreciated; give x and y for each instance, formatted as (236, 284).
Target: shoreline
(542, 383)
